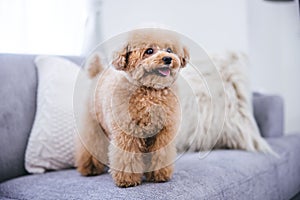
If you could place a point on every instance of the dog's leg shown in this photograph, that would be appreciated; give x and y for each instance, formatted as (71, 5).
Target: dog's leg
(88, 165)
(91, 148)
(163, 156)
(126, 160)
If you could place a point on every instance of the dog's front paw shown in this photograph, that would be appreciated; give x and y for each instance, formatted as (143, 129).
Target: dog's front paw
(161, 175)
(124, 179)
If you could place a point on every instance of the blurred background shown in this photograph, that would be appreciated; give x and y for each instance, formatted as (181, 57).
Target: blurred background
(267, 31)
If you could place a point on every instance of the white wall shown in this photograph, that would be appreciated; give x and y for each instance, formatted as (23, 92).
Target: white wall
(274, 48)
(216, 24)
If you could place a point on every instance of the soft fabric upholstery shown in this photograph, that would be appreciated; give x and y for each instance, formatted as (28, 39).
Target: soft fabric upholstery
(223, 174)
(269, 114)
(18, 86)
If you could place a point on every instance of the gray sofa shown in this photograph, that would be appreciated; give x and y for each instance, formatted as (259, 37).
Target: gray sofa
(223, 174)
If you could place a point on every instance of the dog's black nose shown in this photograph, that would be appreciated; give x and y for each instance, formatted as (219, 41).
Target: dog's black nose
(167, 60)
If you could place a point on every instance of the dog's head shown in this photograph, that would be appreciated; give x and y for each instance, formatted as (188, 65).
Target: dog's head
(152, 59)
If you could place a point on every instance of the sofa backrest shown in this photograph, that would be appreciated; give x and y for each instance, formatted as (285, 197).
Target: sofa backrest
(18, 86)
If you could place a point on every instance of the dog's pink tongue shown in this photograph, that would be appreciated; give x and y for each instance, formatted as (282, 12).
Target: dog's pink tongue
(164, 72)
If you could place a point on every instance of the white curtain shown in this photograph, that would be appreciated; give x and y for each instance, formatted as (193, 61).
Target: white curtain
(42, 26)
(93, 27)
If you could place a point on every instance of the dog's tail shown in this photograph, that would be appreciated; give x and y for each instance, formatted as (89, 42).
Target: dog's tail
(94, 66)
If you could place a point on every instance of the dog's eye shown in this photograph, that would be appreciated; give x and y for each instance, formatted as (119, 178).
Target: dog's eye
(149, 51)
(169, 50)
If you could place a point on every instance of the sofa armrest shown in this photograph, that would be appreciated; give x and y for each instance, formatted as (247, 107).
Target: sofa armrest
(269, 114)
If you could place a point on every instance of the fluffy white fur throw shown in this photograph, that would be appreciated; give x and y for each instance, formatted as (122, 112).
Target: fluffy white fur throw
(233, 125)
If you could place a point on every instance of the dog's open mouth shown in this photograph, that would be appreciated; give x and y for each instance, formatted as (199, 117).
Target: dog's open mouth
(163, 71)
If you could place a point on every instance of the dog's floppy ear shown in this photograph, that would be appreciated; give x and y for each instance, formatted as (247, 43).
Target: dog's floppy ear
(185, 57)
(120, 59)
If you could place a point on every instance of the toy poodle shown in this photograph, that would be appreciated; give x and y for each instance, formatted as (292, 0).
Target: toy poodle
(133, 112)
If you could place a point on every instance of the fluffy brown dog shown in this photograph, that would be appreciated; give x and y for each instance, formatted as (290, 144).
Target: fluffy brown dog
(133, 113)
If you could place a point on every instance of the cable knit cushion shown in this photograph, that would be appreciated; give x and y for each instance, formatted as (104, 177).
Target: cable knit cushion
(51, 144)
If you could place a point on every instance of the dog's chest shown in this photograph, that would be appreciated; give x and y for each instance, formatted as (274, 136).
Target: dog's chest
(139, 111)
(149, 106)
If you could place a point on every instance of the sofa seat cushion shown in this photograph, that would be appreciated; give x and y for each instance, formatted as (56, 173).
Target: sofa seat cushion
(223, 174)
